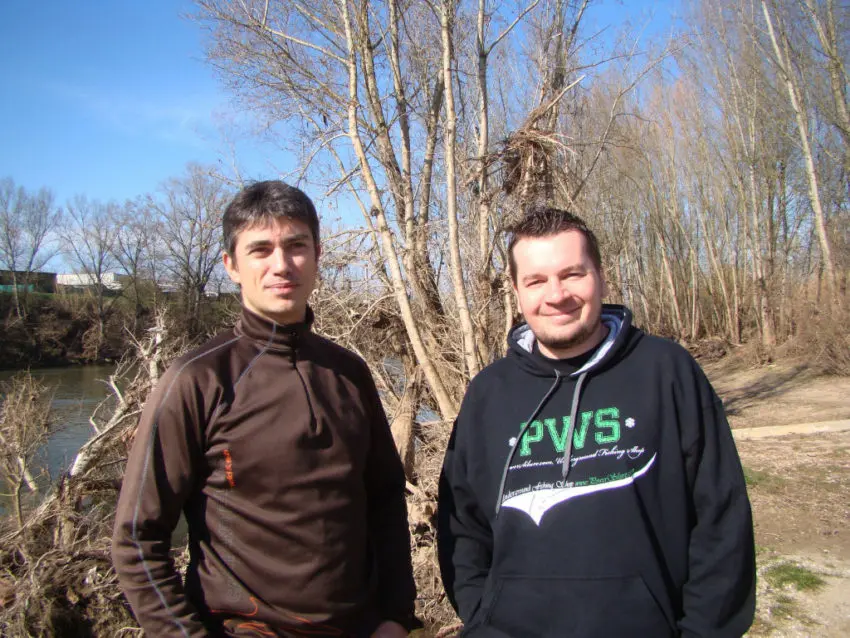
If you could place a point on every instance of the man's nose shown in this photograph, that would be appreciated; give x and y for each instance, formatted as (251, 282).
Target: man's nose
(280, 262)
(555, 291)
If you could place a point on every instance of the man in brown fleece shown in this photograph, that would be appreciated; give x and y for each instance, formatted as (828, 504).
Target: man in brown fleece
(273, 443)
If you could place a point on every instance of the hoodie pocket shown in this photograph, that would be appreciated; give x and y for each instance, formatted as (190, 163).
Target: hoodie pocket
(582, 607)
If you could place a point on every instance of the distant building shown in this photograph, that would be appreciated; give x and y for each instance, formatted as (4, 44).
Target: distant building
(36, 281)
(110, 280)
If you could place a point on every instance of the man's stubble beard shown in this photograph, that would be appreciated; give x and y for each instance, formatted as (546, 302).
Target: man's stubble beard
(583, 335)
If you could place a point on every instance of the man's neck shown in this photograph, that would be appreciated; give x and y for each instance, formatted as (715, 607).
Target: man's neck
(588, 345)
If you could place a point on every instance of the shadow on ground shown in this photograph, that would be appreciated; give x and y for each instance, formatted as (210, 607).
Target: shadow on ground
(762, 389)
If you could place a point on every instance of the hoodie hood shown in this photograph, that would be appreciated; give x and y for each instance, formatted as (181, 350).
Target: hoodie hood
(618, 320)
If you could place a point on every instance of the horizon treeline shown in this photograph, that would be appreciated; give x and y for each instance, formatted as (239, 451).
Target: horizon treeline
(164, 247)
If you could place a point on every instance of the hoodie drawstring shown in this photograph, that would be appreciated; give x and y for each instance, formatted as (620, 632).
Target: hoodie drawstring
(568, 444)
(522, 431)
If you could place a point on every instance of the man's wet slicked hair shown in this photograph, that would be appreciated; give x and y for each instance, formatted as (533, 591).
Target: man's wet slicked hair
(545, 221)
(263, 203)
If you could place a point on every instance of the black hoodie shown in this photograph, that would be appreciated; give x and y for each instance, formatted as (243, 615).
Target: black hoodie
(635, 522)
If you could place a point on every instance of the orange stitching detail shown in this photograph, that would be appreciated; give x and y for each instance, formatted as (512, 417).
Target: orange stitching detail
(228, 468)
(260, 627)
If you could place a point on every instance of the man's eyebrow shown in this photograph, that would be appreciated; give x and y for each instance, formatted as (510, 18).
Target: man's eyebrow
(530, 275)
(296, 237)
(565, 270)
(265, 243)
(258, 243)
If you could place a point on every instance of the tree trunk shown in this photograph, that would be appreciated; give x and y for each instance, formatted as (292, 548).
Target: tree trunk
(467, 331)
(445, 403)
(15, 296)
(402, 426)
(795, 97)
(26, 475)
(668, 273)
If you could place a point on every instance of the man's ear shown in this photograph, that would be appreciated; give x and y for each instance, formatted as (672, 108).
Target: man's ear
(516, 292)
(230, 267)
(318, 251)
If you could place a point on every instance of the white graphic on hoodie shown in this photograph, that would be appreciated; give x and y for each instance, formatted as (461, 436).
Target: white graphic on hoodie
(536, 503)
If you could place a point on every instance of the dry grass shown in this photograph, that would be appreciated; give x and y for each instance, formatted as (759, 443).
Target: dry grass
(432, 605)
(822, 339)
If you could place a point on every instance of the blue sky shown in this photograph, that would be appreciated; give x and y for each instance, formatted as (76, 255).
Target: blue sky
(109, 98)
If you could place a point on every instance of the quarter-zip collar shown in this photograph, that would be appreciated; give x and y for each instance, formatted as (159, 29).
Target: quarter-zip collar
(283, 338)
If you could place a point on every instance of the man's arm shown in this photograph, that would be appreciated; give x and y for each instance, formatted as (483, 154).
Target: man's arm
(464, 537)
(719, 596)
(385, 488)
(159, 478)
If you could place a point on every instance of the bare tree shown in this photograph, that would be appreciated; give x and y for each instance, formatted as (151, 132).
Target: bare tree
(25, 426)
(135, 239)
(447, 26)
(190, 211)
(795, 84)
(90, 236)
(27, 224)
(317, 64)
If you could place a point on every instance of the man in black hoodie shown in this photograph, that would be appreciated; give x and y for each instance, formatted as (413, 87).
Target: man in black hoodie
(591, 486)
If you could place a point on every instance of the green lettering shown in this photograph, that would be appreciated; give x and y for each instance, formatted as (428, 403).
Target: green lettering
(607, 419)
(580, 433)
(559, 439)
(534, 434)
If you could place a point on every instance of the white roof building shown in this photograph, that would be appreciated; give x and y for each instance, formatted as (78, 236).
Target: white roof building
(110, 280)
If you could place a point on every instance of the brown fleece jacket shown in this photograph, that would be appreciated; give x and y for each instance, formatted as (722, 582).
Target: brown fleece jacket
(273, 442)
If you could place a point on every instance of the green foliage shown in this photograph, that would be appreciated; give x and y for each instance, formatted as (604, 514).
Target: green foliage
(785, 607)
(762, 479)
(787, 573)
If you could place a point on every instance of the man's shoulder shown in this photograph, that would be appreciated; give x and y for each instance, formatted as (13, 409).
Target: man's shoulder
(193, 366)
(498, 369)
(331, 354)
(661, 349)
(221, 345)
(669, 359)
(491, 380)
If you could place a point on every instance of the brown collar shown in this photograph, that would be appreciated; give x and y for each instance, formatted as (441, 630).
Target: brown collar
(276, 336)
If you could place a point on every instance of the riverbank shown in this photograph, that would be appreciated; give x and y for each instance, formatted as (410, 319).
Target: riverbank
(74, 393)
(58, 330)
(62, 330)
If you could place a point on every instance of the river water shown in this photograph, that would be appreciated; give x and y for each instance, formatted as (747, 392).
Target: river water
(76, 393)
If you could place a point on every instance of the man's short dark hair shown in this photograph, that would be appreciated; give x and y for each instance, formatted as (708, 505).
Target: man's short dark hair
(265, 202)
(544, 221)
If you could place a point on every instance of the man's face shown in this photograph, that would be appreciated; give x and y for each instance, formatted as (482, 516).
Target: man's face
(559, 291)
(276, 266)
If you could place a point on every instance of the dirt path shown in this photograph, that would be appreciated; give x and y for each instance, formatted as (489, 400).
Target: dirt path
(799, 486)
